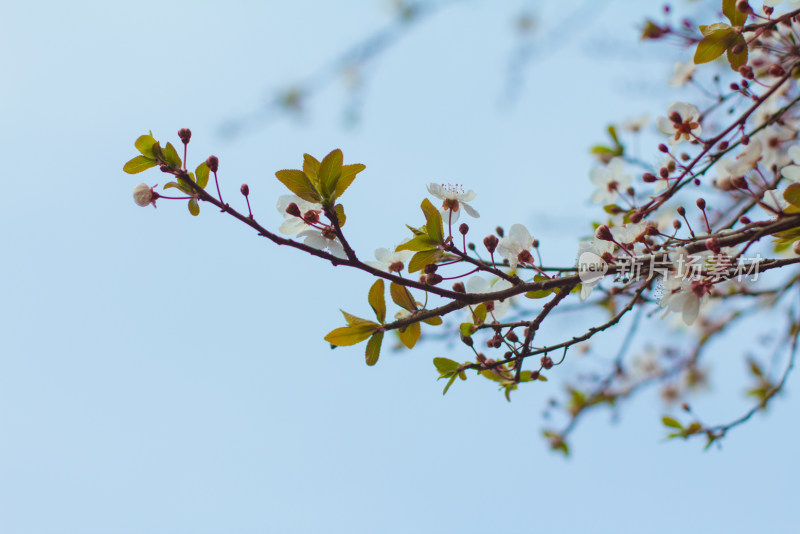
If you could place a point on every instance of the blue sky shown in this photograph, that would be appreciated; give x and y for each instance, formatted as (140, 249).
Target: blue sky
(163, 373)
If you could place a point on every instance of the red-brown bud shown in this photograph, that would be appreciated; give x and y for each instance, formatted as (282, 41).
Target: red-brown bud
(547, 362)
(649, 177)
(491, 242)
(430, 268)
(245, 189)
(213, 163)
(712, 244)
(681, 211)
(463, 228)
(777, 71)
(458, 287)
(292, 209)
(701, 203)
(603, 233)
(185, 134)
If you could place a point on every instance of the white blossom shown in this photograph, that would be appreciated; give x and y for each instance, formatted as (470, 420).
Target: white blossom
(682, 74)
(476, 284)
(609, 181)
(636, 124)
(684, 297)
(454, 199)
(294, 225)
(687, 125)
(322, 241)
(387, 258)
(516, 246)
(591, 265)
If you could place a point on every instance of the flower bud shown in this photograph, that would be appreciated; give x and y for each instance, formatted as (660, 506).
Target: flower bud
(701, 203)
(739, 182)
(649, 178)
(746, 71)
(738, 49)
(463, 228)
(512, 337)
(777, 71)
(499, 231)
(467, 341)
(712, 244)
(547, 362)
(603, 233)
(723, 145)
(636, 216)
(430, 268)
(490, 242)
(681, 211)
(311, 217)
(663, 148)
(213, 163)
(245, 189)
(743, 6)
(676, 224)
(144, 195)
(292, 209)
(185, 134)
(744, 220)
(434, 279)
(534, 375)
(396, 267)
(458, 287)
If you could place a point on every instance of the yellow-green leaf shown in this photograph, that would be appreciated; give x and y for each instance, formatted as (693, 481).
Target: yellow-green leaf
(737, 60)
(139, 164)
(670, 422)
(144, 144)
(350, 335)
(311, 168)
(421, 259)
(417, 244)
(792, 194)
(349, 173)
(433, 223)
(736, 17)
(433, 321)
(202, 174)
(352, 320)
(374, 348)
(329, 171)
(479, 314)
(402, 297)
(446, 367)
(194, 208)
(340, 216)
(410, 335)
(377, 300)
(298, 183)
(171, 157)
(715, 41)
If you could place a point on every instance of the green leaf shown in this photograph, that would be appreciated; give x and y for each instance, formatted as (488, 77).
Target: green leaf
(377, 300)
(194, 208)
(541, 293)
(202, 174)
(139, 164)
(171, 157)
(737, 60)
(410, 335)
(350, 335)
(715, 42)
(329, 171)
(298, 183)
(670, 422)
(170, 185)
(402, 297)
(421, 259)
(736, 17)
(145, 145)
(755, 369)
(349, 173)
(612, 131)
(433, 321)
(418, 244)
(311, 168)
(446, 367)
(374, 348)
